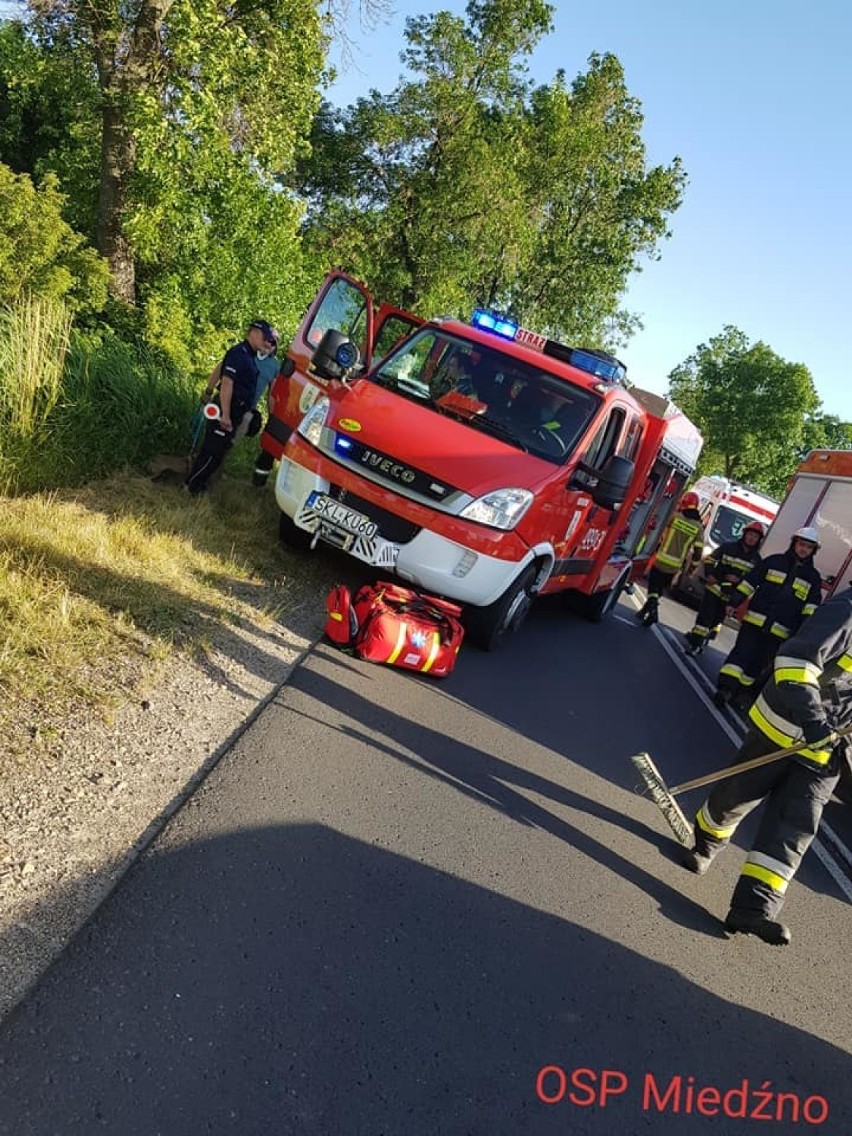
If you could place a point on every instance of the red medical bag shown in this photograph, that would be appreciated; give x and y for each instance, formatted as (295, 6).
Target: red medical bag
(387, 623)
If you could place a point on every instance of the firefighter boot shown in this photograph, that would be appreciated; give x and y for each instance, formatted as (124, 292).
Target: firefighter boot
(693, 860)
(694, 645)
(703, 852)
(745, 922)
(650, 613)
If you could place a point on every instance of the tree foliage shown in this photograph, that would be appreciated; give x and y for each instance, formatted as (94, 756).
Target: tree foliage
(191, 106)
(466, 183)
(40, 254)
(757, 412)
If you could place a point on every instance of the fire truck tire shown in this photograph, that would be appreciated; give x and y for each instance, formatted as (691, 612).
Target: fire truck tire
(597, 607)
(487, 627)
(291, 535)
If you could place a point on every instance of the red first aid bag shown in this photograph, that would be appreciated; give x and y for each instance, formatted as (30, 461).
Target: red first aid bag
(397, 626)
(341, 624)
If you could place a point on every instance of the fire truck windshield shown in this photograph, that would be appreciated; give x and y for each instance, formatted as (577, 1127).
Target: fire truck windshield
(523, 405)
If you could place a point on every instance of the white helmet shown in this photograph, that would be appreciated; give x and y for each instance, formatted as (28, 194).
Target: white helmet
(808, 533)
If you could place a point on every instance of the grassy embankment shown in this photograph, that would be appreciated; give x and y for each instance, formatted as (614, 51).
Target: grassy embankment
(103, 574)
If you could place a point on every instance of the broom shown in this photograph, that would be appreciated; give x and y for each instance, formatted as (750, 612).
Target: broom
(664, 797)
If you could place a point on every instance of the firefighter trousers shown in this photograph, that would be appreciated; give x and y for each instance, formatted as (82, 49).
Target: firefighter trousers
(752, 652)
(795, 798)
(708, 620)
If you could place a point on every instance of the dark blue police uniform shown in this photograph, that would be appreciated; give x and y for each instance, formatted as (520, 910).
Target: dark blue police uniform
(240, 366)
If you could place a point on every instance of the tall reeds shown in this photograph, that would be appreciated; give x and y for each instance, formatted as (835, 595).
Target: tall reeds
(77, 404)
(34, 338)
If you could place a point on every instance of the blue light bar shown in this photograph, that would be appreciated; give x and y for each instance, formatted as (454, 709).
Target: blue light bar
(491, 321)
(342, 444)
(609, 368)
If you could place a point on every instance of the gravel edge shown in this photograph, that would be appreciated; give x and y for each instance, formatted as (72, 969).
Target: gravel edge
(75, 820)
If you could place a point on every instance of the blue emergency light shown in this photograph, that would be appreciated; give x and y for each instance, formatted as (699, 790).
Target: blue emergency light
(491, 321)
(342, 444)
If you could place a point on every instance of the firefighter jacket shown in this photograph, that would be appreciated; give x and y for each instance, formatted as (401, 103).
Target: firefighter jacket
(810, 691)
(684, 534)
(730, 559)
(781, 591)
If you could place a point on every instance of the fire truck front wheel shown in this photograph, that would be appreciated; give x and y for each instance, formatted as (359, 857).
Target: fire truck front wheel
(488, 627)
(291, 535)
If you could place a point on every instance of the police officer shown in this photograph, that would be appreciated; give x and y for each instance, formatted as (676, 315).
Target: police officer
(724, 568)
(808, 699)
(237, 385)
(782, 590)
(681, 543)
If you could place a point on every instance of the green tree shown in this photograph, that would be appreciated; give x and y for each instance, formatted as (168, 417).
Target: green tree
(466, 183)
(49, 121)
(191, 94)
(40, 254)
(597, 210)
(826, 432)
(750, 404)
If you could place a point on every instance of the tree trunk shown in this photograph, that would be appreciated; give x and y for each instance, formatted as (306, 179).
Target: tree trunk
(118, 161)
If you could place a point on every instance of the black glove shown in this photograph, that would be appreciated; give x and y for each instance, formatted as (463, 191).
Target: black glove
(819, 735)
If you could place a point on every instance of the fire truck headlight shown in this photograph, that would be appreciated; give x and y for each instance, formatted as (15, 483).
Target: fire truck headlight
(311, 425)
(501, 509)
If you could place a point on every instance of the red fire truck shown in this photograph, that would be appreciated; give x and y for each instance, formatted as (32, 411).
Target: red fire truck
(479, 461)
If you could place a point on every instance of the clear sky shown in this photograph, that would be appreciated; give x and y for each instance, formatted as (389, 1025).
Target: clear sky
(754, 95)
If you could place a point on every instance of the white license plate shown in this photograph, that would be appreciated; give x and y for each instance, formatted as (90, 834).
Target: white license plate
(333, 513)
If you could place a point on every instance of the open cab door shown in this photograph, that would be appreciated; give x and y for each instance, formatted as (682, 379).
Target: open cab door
(342, 304)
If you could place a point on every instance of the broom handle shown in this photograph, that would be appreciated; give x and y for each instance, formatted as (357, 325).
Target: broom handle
(744, 766)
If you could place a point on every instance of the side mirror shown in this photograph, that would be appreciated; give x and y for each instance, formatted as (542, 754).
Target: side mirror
(336, 356)
(287, 367)
(613, 482)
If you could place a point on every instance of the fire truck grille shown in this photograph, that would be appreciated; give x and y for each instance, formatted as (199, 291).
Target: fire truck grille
(391, 527)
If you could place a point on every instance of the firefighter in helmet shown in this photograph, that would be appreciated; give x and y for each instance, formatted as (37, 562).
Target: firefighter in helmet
(808, 701)
(723, 570)
(680, 544)
(782, 591)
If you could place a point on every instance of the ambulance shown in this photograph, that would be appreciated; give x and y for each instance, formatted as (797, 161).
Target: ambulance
(480, 461)
(820, 495)
(726, 508)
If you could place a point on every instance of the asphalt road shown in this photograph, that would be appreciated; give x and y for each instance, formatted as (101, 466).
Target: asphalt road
(407, 907)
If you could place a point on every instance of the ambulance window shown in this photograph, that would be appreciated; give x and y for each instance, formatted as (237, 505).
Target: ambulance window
(342, 308)
(630, 446)
(605, 441)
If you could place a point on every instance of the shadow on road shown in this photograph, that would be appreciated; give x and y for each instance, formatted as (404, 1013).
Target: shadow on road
(294, 980)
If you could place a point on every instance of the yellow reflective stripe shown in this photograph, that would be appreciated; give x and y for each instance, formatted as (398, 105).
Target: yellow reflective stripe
(755, 617)
(706, 824)
(733, 671)
(845, 662)
(782, 740)
(795, 674)
(400, 643)
(818, 756)
(779, 631)
(775, 577)
(771, 879)
(669, 561)
(746, 588)
(433, 654)
(809, 609)
(796, 670)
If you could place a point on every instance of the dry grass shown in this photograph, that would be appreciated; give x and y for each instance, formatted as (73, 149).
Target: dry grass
(98, 585)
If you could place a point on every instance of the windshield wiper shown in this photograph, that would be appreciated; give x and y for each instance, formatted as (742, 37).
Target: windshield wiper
(498, 429)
